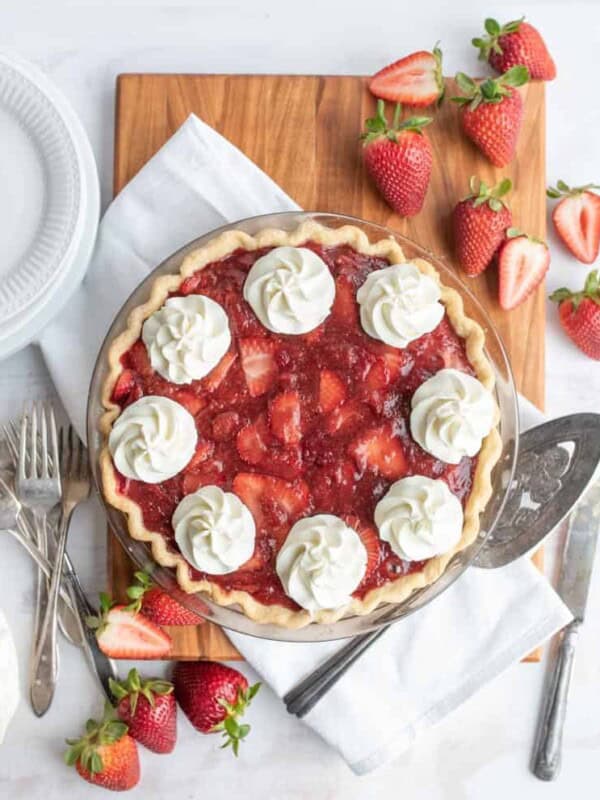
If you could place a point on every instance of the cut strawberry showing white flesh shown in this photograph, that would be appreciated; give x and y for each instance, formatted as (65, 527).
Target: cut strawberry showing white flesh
(522, 264)
(577, 221)
(414, 80)
(258, 363)
(122, 633)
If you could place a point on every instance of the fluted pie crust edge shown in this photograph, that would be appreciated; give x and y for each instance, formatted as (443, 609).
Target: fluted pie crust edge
(393, 592)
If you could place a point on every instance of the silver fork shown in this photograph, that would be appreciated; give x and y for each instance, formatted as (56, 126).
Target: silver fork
(39, 490)
(75, 488)
(68, 620)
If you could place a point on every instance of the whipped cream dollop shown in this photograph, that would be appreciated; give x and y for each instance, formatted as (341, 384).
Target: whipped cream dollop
(399, 304)
(419, 517)
(321, 563)
(452, 413)
(186, 338)
(215, 531)
(153, 439)
(290, 289)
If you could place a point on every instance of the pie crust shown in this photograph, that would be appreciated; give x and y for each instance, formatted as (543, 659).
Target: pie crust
(395, 590)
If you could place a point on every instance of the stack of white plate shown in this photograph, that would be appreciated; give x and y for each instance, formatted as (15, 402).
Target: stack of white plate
(49, 202)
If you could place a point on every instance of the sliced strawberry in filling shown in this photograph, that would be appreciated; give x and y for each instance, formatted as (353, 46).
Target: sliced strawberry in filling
(275, 504)
(369, 538)
(285, 417)
(345, 307)
(332, 390)
(259, 364)
(252, 441)
(352, 412)
(378, 450)
(138, 360)
(216, 376)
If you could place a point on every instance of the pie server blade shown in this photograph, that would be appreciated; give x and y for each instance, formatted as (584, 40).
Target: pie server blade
(555, 465)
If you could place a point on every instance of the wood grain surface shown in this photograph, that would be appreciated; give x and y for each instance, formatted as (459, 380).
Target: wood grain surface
(303, 131)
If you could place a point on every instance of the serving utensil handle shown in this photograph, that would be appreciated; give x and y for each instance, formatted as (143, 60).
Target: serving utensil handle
(548, 750)
(45, 662)
(303, 697)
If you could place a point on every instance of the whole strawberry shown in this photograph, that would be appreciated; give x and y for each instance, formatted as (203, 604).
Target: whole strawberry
(514, 44)
(579, 314)
(399, 159)
(492, 112)
(158, 606)
(105, 755)
(480, 222)
(149, 709)
(214, 697)
(577, 219)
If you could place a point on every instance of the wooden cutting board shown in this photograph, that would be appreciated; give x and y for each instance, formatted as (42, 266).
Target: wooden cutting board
(303, 131)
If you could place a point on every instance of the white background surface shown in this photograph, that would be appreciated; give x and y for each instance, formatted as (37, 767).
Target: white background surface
(483, 749)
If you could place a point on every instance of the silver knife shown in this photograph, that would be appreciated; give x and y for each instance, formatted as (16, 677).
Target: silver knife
(573, 587)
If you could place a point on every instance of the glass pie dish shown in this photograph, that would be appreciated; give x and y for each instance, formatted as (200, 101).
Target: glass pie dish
(229, 616)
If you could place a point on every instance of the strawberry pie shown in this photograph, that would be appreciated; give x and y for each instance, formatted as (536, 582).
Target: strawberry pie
(301, 424)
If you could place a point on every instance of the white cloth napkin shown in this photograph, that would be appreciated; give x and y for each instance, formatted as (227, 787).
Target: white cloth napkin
(9, 677)
(429, 663)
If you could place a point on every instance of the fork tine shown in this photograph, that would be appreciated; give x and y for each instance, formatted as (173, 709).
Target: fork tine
(22, 446)
(33, 442)
(83, 462)
(44, 442)
(54, 444)
(73, 450)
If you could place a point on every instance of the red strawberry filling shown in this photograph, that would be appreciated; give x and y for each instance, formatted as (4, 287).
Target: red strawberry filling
(299, 425)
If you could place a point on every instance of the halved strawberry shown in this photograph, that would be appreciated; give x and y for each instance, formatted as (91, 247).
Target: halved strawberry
(349, 413)
(253, 440)
(225, 425)
(577, 219)
(284, 412)
(332, 390)
(377, 449)
(345, 307)
(216, 376)
(415, 79)
(522, 264)
(369, 538)
(138, 360)
(258, 363)
(274, 503)
(122, 633)
(204, 450)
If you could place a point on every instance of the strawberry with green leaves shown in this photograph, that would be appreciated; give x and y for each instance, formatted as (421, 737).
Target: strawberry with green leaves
(399, 159)
(105, 755)
(157, 605)
(577, 219)
(214, 696)
(579, 314)
(415, 80)
(523, 262)
(480, 222)
(516, 43)
(492, 113)
(124, 633)
(149, 709)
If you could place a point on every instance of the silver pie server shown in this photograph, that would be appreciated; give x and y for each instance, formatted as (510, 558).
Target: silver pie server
(555, 464)
(573, 587)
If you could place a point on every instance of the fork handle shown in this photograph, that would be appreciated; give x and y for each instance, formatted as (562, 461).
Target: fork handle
(44, 672)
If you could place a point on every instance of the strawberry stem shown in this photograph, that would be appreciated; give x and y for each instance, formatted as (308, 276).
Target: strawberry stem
(563, 190)
(377, 126)
(233, 732)
(590, 291)
(492, 196)
(133, 687)
(85, 749)
(490, 43)
(490, 90)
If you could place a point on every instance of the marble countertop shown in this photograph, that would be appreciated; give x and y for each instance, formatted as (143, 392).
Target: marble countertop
(483, 749)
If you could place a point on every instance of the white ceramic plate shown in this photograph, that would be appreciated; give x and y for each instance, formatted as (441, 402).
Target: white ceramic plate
(49, 202)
